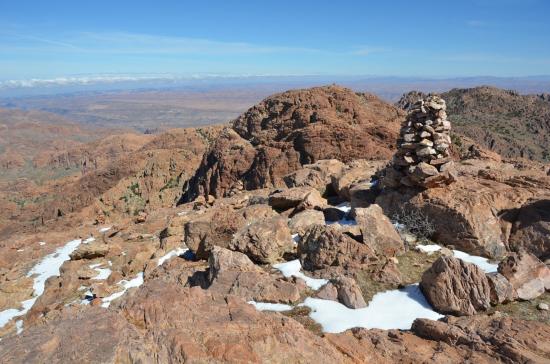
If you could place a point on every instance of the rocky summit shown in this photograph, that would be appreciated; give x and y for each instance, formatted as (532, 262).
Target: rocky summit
(320, 226)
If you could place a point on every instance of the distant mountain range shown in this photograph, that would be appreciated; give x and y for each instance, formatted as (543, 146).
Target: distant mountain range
(389, 88)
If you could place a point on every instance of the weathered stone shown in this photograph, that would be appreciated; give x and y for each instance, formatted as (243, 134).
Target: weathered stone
(300, 222)
(529, 276)
(424, 170)
(222, 260)
(362, 194)
(349, 293)
(456, 287)
(264, 241)
(317, 175)
(377, 231)
(501, 289)
(426, 143)
(92, 250)
(292, 197)
(531, 229)
(326, 245)
(423, 152)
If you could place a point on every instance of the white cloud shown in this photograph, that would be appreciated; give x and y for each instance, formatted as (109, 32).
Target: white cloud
(120, 78)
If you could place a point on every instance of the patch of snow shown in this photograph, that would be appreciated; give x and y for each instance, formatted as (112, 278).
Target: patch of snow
(395, 309)
(295, 238)
(19, 326)
(41, 243)
(481, 262)
(344, 207)
(89, 240)
(104, 229)
(173, 253)
(292, 269)
(132, 283)
(266, 306)
(48, 267)
(102, 273)
(429, 248)
(20, 250)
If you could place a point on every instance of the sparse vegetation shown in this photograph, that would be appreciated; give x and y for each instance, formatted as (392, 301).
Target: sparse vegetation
(413, 221)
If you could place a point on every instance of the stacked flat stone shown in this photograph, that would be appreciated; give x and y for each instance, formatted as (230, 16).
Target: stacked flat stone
(423, 156)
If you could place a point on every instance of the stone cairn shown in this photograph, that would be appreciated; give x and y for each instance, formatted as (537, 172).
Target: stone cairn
(423, 156)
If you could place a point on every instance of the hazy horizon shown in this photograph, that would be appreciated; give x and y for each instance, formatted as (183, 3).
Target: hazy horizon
(63, 42)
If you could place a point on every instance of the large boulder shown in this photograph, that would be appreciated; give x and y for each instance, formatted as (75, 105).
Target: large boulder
(96, 249)
(216, 226)
(344, 290)
(377, 231)
(300, 222)
(317, 175)
(327, 245)
(529, 276)
(487, 339)
(234, 273)
(531, 229)
(264, 241)
(222, 260)
(455, 287)
(294, 197)
(295, 128)
(502, 290)
(467, 214)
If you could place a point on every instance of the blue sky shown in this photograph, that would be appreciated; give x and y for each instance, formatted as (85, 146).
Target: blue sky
(50, 39)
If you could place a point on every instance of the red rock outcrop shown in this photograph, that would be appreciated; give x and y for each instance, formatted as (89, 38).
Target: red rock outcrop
(528, 276)
(291, 129)
(456, 287)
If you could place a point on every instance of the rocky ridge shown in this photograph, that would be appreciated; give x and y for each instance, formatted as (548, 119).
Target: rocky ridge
(225, 261)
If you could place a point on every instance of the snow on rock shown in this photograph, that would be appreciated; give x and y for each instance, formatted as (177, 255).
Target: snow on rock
(89, 240)
(295, 239)
(102, 273)
(132, 283)
(292, 269)
(41, 243)
(429, 248)
(19, 326)
(266, 306)
(48, 267)
(481, 262)
(105, 229)
(395, 309)
(173, 253)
